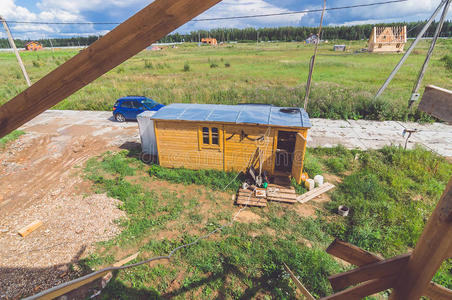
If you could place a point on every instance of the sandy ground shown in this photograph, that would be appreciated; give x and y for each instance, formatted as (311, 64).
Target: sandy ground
(40, 179)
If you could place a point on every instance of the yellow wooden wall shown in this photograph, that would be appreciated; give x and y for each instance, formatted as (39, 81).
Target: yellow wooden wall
(238, 152)
(178, 145)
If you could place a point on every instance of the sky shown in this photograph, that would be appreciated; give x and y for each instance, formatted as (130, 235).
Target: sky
(120, 10)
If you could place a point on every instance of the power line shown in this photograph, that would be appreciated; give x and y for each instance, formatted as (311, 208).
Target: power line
(220, 18)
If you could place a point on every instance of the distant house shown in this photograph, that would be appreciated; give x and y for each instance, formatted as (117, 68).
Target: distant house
(339, 48)
(312, 39)
(387, 39)
(33, 46)
(210, 41)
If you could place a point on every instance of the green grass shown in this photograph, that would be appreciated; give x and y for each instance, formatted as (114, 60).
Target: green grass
(391, 193)
(344, 84)
(10, 137)
(216, 180)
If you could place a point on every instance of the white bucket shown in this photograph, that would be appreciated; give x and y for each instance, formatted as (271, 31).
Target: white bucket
(318, 179)
(309, 184)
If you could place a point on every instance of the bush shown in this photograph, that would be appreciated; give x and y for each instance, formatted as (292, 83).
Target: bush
(148, 64)
(186, 67)
(227, 64)
(447, 59)
(213, 65)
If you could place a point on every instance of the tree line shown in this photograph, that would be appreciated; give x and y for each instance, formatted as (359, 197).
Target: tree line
(289, 33)
(355, 32)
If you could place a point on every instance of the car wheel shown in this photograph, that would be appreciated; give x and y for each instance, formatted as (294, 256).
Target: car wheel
(120, 117)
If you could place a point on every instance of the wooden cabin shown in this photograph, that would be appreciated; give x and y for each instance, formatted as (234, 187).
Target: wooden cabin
(210, 41)
(228, 137)
(387, 39)
(33, 46)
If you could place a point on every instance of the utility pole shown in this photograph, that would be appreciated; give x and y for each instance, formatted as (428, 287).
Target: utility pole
(312, 61)
(13, 45)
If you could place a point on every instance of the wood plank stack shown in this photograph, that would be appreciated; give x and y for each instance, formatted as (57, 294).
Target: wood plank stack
(247, 197)
(315, 192)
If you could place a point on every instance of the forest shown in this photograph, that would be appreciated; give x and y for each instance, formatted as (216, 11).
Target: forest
(356, 32)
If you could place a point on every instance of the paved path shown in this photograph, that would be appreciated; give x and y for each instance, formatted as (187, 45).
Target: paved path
(326, 133)
(363, 134)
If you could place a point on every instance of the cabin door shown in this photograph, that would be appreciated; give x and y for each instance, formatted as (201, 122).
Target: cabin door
(298, 156)
(284, 151)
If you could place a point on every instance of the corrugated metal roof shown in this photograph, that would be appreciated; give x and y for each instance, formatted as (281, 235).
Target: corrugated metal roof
(238, 114)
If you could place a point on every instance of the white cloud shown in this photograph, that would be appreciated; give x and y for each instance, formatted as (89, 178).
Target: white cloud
(228, 8)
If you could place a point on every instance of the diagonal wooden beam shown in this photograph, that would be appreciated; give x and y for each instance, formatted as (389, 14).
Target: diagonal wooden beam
(145, 27)
(381, 269)
(351, 253)
(363, 290)
(298, 283)
(360, 257)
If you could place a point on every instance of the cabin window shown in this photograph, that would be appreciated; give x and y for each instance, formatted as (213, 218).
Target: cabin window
(215, 139)
(205, 135)
(209, 137)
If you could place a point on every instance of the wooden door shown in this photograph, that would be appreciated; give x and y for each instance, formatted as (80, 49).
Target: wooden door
(298, 156)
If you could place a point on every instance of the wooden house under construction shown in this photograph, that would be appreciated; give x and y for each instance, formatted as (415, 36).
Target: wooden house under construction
(387, 39)
(210, 41)
(227, 137)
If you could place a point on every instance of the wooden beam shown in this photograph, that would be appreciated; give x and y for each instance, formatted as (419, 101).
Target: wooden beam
(431, 250)
(359, 257)
(381, 269)
(437, 292)
(297, 282)
(13, 46)
(366, 289)
(23, 232)
(68, 287)
(315, 192)
(437, 102)
(352, 254)
(145, 27)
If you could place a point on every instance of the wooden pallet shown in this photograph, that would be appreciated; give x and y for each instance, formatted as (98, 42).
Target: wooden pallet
(246, 197)
(281, 193)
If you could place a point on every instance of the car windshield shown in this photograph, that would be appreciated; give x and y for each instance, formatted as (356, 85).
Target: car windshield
(149, 102)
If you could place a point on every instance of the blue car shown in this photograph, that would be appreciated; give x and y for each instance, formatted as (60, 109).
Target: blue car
(127, 108)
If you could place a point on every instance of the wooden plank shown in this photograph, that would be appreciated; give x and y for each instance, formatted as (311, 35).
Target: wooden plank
(147, 26)
(298, 283)
(315, 192)
(437, 102)
(68, 287)
(363, 290)
(246, 201)
(437, 292)
(352, 254)
(432, 249)
(284, 196)
(381, 269)
(360, 257)
(30, 228)
(281, 200)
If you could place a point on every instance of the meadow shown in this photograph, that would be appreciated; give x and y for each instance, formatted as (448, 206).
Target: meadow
(391, 193)
(343, 83)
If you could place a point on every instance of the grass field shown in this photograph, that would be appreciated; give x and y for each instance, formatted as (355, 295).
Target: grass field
(391, 193)
(344, 83)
